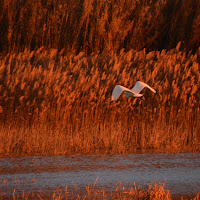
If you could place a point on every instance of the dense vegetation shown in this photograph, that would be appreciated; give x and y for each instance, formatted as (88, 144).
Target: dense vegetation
(55, 104)
(60, 61)
(94, 26)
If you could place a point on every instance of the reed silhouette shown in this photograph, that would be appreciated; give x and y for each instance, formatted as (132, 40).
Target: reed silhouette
(97, 26)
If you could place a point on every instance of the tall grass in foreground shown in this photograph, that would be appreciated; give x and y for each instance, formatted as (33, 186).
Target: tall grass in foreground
(153, 192)
(61, 104)
(96, 25)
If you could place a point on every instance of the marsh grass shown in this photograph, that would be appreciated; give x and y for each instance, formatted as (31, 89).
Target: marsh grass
(55, 104)
(152, 192)
(96, 26)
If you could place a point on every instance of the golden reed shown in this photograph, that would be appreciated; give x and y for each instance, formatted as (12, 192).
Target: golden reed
(95, 26)
(60, 104)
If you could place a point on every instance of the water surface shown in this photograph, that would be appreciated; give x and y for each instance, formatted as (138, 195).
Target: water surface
(180, 172)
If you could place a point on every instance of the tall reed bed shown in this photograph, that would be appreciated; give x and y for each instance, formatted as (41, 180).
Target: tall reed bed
(60, 104)
(96, 25)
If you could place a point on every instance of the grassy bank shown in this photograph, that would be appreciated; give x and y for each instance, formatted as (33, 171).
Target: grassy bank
(153, 192)
(97, 26)
(60, 104)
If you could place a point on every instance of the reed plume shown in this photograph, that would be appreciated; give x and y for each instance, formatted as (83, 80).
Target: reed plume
(61, 104)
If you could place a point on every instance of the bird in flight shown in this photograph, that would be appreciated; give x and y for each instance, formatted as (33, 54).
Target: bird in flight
(134, 92)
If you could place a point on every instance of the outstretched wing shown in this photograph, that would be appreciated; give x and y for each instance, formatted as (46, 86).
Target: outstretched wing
(117, 91)
(139, 87)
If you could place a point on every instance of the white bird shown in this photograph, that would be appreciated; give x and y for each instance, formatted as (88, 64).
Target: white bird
(134, 92)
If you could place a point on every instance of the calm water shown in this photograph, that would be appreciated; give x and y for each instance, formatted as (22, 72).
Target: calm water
(180, 172)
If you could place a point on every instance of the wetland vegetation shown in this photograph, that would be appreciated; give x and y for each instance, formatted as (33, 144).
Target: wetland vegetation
(52, 106)
(58, 69)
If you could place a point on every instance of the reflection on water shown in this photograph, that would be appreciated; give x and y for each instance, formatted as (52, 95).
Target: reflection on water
(180, 172)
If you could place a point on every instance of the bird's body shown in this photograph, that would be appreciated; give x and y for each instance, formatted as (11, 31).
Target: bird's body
(134, 92)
